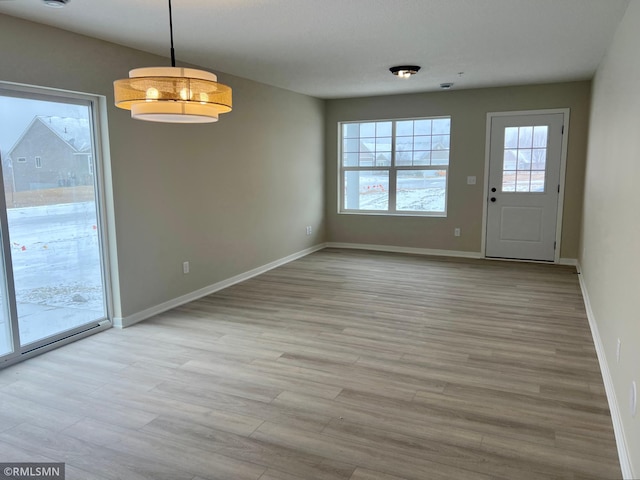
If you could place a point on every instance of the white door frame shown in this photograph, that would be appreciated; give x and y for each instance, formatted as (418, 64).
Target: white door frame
(563, 171)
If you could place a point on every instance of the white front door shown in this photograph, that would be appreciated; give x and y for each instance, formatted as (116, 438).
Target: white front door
(524, 186)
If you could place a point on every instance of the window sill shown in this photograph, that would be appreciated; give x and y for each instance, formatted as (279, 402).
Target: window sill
(394, 214)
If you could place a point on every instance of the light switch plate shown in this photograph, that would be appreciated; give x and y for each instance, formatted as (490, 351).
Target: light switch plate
(471, 180)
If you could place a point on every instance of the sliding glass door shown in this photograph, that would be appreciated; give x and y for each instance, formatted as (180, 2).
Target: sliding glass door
(54, 282)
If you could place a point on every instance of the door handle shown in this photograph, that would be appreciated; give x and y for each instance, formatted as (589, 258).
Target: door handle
(493, 199)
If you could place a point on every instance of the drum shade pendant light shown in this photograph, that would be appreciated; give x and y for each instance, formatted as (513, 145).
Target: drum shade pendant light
(172, 94)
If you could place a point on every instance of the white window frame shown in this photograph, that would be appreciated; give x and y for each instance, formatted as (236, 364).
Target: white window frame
(22, 159)
(38, 162)
(392, 169)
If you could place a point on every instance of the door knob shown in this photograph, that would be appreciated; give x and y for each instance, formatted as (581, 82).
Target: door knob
(493, 199)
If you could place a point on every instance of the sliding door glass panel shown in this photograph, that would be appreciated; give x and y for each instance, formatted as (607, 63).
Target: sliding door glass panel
(49, 184)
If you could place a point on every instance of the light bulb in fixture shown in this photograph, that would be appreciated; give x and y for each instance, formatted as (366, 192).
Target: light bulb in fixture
(152, 94)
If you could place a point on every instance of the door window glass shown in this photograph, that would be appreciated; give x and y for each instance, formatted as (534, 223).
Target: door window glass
(525, 159)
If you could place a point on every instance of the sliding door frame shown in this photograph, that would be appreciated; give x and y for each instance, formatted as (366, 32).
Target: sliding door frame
(100, 156)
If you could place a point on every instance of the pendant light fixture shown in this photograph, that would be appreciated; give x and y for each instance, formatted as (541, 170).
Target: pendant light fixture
(172, 94)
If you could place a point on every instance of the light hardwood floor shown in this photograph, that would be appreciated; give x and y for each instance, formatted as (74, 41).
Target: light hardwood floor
(340, 365)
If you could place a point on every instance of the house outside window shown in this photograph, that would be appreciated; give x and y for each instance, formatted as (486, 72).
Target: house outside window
(38, 162)
(395, 167)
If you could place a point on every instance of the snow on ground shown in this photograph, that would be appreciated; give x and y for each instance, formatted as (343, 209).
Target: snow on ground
(426, 200)
(55, 254)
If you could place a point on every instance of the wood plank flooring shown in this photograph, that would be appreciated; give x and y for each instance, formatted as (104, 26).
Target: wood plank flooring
(341, 365)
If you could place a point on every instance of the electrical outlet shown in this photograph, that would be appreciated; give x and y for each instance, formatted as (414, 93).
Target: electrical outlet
(308, 229)
(471, 180)
(456, 232)
(618, 351)
(185, 267)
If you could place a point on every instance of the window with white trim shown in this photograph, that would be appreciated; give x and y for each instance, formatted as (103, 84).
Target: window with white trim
(395, 167)
(38, 162)
(22, 159)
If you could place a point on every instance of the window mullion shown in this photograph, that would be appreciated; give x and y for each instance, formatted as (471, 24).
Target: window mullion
(392, 170)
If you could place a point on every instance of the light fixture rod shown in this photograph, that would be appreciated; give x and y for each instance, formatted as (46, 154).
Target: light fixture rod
(173, 52)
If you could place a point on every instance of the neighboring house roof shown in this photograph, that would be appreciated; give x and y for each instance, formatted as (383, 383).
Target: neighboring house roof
(75, 132)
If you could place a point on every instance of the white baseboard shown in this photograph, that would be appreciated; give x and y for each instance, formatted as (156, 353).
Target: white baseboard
(614, 406)
(430, 251)
(123, 322)
(412, 250)
(568, 261)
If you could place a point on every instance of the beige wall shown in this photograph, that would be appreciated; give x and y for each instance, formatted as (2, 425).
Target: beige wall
(468, 109)
(228, 197)
(610, 248)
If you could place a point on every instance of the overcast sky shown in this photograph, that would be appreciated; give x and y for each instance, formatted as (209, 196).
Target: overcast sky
(17, 113)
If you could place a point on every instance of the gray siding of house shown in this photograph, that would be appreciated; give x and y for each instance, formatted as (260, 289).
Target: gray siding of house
(61, 165)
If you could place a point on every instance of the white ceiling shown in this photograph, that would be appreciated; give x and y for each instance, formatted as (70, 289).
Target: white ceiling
(344, 48)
